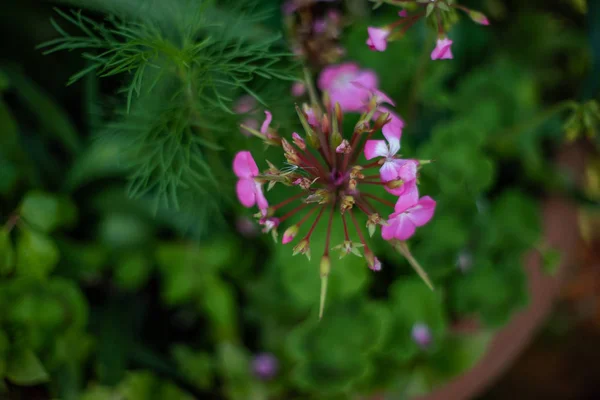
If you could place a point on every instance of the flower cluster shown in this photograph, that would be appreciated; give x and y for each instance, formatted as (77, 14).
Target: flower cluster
(314, 28)
(330, 177)
(441, 11)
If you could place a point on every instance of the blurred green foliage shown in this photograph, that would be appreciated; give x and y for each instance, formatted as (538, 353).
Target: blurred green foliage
(105, 295)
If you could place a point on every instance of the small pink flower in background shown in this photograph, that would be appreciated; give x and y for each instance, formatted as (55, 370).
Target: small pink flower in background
(320, 25)
(249, 191)
(410, 213)
(265, 366)
(250, 123)
(379, 96)
(298, 89)
(377, 38)
(244, 104)
(339, 80)
(421, 334)
(443, 50)
(246, 227)
(403, 14)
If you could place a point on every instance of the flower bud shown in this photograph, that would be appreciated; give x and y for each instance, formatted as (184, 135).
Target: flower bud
(479, 17)
(344, 148)
(302, 248)
(298, 141)
(325, 268)
(372, 261)
(289, 234)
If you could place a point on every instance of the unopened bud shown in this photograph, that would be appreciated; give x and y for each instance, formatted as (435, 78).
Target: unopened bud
(325, 127)
(372, 261)
(381, 121)
(479, 17)
(298, 141)
(344, 148)
(290, 153)
(289, 234)
(325, 267)
(302, 248)
(311, 137)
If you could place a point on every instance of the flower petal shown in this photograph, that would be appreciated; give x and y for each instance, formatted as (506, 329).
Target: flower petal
(244, 165)
(443, 50)
(422, 213)
(378, 38)
(388, 171)
(399, 227)
(376, 148)
(261, 201)
(265, 126)
(245, 192)
(408, 199)
(331, 74)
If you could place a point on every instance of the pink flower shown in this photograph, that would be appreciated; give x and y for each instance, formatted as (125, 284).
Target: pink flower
(395, 126)
(244, 104)
(403, 14)
(339, 80)
(393, 168)
(310, 115)
(379, 96)
(298, 89)
(264, 129)
(377, 38)
(410, 213)
(442, 50)
(249, 192)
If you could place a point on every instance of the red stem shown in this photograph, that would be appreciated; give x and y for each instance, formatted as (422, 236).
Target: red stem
(312, 228)
(288, 201)
(329, 231)
(294, 211)
(383, 201)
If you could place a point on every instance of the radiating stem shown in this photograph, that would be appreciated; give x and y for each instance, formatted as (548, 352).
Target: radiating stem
(294, 211)
(288, 201)
(328, 239)
(383, 201)
(312, 228)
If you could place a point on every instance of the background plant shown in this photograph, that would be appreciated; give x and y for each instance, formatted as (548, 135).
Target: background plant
(101, 293)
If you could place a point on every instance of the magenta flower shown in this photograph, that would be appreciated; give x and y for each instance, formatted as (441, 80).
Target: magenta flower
(421, 334)
(443, 50)
(377, 38)
(396, 124)
(341, 80)
(298, 89)
(265, 366)
(410, 213)
(330, 179)
(249, 191)
(244, 104)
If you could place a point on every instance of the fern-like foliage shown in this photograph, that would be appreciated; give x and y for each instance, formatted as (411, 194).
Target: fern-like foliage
(182, 65)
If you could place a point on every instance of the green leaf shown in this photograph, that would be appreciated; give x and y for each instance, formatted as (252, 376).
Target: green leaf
(37, 254)
(50, 116)
(7, 254)
(196, 366)
(218, 304)
(132, 271)
(24, 368)
(46, 212)
(412, 302)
